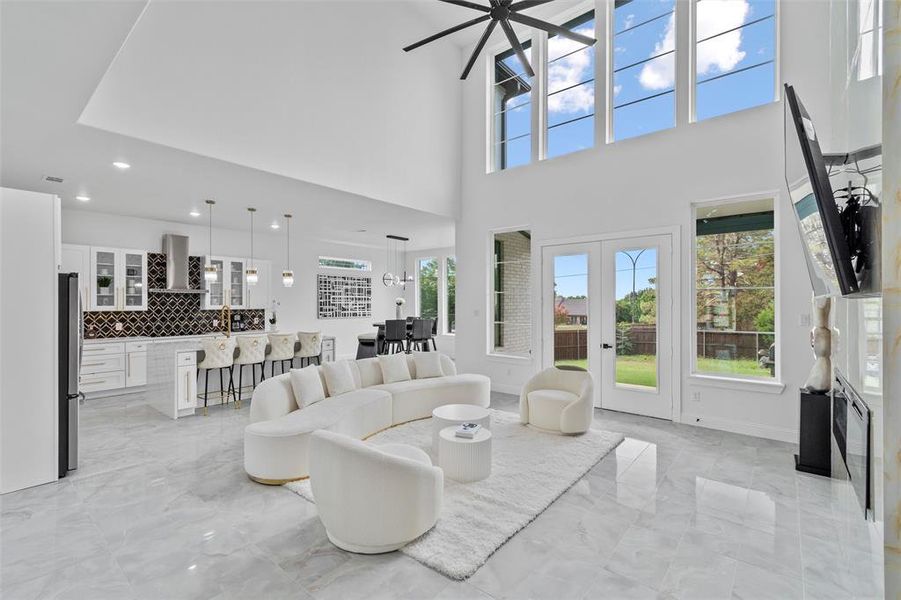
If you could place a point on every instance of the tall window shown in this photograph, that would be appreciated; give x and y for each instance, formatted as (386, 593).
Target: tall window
(512, 111)
(735, 55)
(869, 39)
(511, 303)
(570, 90)
(735, 290)
(451, 294)
(644, 67)
(428, 288)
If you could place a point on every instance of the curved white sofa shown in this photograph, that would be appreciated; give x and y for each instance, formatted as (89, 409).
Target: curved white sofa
(276, 443)
(373, 499)
(558, 400)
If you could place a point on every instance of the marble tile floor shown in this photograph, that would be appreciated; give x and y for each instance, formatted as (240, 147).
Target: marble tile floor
(162, 509)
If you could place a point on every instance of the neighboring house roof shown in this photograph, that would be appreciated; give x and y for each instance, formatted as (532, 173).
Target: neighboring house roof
(575, 307)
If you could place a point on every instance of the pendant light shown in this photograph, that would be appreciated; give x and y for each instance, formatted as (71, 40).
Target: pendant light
(396, 279)
(251, 275)
(209, 272)
(288, 274)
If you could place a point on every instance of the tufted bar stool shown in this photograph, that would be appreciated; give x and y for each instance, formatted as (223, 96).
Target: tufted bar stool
(310, 347)
(218, 353)
(282, 350)
(251, 351)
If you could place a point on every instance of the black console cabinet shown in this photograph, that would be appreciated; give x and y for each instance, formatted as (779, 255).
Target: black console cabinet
(815, 443)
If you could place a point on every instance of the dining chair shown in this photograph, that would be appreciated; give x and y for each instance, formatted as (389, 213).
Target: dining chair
(395, 336)
(422, 334)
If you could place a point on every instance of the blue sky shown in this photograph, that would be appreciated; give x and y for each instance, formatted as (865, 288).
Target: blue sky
(571, 272)
(571, 68)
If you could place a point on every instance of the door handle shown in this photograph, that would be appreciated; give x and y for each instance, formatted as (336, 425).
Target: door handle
(606, 346)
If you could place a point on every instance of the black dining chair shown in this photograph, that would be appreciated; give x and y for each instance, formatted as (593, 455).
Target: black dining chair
(422, 333)
(395, 336)
(434, 334)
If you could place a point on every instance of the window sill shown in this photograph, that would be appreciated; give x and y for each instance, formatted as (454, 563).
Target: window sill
(735, 383)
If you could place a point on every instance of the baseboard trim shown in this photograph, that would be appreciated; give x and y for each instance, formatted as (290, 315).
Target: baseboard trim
(781, 434)
(505, 388)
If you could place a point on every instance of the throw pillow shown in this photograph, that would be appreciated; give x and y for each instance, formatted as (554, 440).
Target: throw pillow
(339, 379)
(307, 386)
(394, 368)
(428, 364)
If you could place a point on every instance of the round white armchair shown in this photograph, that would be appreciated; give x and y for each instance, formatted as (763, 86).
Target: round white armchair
(373, 499)
(558, 400)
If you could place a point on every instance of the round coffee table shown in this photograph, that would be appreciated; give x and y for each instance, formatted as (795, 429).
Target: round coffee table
(454, 414)
(464, 459)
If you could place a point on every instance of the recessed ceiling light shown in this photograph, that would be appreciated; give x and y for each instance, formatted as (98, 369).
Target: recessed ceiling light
(121, 165)
(274, 225)
(194, 213)
(83, 198)
(361, 231)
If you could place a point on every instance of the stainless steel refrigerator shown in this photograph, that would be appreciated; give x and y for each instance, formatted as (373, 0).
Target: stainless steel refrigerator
(70, 343)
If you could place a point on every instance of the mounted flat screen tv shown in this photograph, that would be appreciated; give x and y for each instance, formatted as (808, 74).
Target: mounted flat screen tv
(819, 221)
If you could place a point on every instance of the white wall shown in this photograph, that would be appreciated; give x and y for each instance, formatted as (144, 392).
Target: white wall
(298, 304)
(29, 259)
(649, 182)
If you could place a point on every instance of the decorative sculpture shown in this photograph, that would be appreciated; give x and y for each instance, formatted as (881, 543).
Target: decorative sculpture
(820, 378)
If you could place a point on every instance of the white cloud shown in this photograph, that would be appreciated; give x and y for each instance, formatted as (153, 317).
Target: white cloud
(569, 71)
(717, 55)
(628, 21)
(616, 90)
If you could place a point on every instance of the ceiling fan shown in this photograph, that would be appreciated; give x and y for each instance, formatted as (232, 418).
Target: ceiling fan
(502, 12)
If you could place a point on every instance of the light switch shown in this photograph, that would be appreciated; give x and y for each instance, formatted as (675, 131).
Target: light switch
(118, 326)
(804, 320)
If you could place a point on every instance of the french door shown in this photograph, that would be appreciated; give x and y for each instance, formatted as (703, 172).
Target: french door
(607, 307)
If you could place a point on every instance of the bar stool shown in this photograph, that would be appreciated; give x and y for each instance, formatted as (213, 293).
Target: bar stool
(310, 347)
(422, 334)
(218, 353)
(282, 350)
(395, 336)
(251, 351)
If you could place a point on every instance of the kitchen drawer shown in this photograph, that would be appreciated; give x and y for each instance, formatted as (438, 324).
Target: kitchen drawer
(186, 358)
(102, 364)
(136, 346)
(103, 349)
(99, 382)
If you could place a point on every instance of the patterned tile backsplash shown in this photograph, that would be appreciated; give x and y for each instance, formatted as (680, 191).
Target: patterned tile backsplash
(166, 314)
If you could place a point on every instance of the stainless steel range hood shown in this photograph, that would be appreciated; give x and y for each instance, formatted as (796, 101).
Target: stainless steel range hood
(175, 247)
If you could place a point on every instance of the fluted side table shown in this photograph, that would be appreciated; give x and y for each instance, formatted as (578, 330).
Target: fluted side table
(464, 460)
(455, 414)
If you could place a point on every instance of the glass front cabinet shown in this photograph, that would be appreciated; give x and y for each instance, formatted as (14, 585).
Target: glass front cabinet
(229, 287)
(118, 279)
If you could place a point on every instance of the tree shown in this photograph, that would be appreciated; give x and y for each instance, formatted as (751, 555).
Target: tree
(428, 288)
(561, 316)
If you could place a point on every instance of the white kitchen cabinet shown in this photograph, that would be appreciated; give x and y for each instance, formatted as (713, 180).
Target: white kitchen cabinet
(118, 279)
(229, 287)
(113, 365)
(135, 369)
(185, 381)
(77, 259)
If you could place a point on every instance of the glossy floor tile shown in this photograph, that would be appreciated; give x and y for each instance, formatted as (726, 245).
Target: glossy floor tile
(162, 509)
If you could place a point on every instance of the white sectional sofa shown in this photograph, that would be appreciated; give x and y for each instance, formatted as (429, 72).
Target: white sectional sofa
(277, 441)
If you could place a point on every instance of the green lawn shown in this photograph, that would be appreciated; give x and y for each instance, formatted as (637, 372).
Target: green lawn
(640, 369)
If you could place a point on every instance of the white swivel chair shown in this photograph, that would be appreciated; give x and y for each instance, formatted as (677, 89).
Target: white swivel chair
(373, 499)
(218, 353)
(281, 350)
(310, 347)
(558, 400)
(252, 352)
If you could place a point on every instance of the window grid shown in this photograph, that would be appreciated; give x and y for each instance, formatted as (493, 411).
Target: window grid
(510, 83)
(570, 91)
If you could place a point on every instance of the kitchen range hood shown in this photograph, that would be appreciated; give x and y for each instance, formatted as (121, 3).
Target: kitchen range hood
(175, 247)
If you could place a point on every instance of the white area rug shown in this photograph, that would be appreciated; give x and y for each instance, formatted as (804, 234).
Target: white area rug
(529, 470)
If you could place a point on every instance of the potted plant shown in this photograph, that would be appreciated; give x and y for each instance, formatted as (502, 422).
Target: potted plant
(104, 282)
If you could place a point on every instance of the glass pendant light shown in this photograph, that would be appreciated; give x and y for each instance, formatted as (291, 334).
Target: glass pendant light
(251, 275)
(288, 274)
(388, 276)
(209, 272)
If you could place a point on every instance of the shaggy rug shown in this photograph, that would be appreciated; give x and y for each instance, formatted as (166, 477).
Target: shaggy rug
(529, 470)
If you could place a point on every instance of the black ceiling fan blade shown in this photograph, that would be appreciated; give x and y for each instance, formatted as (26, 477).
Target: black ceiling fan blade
(466, 4)
(551, 28)
(517, 47)
(441, 34)
(478, 49)
(526, 4)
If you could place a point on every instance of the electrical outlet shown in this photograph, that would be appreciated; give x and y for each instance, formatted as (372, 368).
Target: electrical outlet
(696, 396)
(118, 326)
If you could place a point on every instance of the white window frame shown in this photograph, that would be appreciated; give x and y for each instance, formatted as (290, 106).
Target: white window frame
(768, 384)
(418, 288)
(491, 128)
(367, 263)
(693, 60)
(533, 297)
(443, 296)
